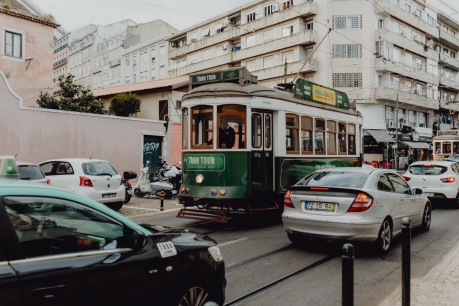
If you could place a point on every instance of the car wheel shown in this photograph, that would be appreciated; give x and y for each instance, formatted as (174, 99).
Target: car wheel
(138, 193)
(426, 218)
(115, 206)
(383, 243)
(296, 239)
(194, 293)
(456, 202)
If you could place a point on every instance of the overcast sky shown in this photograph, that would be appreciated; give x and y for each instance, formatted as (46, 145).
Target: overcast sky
(179, 13)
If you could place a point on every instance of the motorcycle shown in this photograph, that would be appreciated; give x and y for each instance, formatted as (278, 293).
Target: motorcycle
(128, 175)
(171, 173)
(145, 187)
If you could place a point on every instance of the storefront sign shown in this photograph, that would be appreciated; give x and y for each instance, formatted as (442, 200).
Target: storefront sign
(204, 162)
(313, 92)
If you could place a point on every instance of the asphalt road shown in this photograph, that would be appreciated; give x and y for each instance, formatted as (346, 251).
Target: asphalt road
(375, 277)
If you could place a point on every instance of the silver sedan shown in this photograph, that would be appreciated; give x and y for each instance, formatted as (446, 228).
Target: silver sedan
(353, 204)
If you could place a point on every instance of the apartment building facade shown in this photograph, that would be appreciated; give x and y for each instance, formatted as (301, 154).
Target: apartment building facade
(378, 52)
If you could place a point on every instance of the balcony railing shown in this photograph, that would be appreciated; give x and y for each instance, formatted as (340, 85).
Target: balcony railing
(61, 48)
(61, 62)
(115, 62)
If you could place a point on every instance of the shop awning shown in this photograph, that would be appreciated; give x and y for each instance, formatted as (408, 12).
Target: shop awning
(416, 145)
(381, 136)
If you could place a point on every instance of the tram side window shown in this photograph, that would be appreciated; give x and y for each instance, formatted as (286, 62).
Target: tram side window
(319, 136)
(307, 145)
(455, 148)
(447, 148)
(185, 123)
(342, 138)
(351, 139)
(331, 137)
(438, 148)
(231, 126)
(202, 123)
(256, 130)
(292, 129)
(268, 131)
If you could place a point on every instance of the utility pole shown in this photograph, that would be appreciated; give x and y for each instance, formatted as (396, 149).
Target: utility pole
(396, 134)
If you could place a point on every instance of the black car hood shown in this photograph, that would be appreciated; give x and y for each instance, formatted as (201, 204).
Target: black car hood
(181, 236)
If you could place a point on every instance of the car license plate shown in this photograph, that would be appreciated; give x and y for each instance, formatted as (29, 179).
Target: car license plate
(429, 194)
(109, 195)
(319, 206)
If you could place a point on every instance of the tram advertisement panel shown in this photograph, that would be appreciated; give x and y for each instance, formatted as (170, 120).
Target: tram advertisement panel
(204, 162)
(313, 92)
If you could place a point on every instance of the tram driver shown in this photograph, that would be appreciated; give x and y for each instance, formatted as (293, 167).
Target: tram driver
(227, 137)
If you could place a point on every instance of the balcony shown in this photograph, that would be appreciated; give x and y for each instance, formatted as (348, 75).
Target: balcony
(450, 106)
(449, 62)
(389, 94)
(96, 70)
(446, 19)
(407, 71)
(299, 11)
(303, 38)
(452, 84)
(61, 62)
(61, 48)
(409, 18)
(115, 62)
(405, 43)
(449, 40)
(278, 71)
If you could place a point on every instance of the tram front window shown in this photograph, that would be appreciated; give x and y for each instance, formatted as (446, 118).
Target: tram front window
(447, 148)
(455, 147)
(231, 126)
(201, 126)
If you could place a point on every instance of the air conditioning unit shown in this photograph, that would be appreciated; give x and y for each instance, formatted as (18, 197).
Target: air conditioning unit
(194, 40)
(224, 47)
(274, 8)
(391, 124)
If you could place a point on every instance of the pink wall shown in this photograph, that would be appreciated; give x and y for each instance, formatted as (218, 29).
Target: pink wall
(37, 135)
(38, 46)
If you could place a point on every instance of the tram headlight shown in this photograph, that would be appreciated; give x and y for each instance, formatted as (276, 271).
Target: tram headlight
(199, 178)
(182, 190)
(222, 191)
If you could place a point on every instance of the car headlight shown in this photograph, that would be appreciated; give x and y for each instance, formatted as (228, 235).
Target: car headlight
(199, 178)
(215, 253)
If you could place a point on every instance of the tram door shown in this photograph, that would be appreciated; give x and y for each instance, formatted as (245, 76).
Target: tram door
(262, 158)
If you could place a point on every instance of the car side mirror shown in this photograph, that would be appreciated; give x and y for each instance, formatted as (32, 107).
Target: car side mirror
(417, 191)
(138, 240)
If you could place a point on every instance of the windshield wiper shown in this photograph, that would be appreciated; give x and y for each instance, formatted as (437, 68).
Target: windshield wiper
(105, 174)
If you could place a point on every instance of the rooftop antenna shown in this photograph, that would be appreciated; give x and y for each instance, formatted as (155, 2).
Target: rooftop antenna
(92, 154)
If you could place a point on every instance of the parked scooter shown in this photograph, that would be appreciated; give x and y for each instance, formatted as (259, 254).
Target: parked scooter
(128, 175)
(172, 173)
(144, 187)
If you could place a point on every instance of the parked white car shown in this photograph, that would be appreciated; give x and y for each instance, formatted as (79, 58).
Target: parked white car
(439, 180)
(31, 172)
(95, 179)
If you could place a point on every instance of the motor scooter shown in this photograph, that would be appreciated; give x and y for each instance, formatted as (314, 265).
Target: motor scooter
(145, 187)
(128, 175)
(172, 174)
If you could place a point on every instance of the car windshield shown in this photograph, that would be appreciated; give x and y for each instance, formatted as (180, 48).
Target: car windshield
(98, 168)
(30, 172)
(335, 179)
(454, 158)
(427, 169)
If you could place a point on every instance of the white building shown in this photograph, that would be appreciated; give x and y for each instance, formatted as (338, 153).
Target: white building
(377, 51)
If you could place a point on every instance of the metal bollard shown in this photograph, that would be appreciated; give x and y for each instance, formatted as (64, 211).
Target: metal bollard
(348, 275)
(406, 261)
(162, 200)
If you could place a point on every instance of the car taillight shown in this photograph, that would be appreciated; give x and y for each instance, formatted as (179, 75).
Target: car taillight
(361, 202)
(406, 178)
(448, 179)
(85, 182)
(287, 200)
(48, 181)
(128, 184)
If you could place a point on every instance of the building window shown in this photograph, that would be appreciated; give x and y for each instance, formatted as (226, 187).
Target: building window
(287, 31)
(287, 4)
(319, 136)
(268, 61)
(396, 55)
(307, 144)
(250, 41)
(269, 9)
(128, 80)
(419, 63)
(396, 2)
(347, 51)
(153, 61)
(407, 7)
(347, 22)
(408, 86)
(408, 59)
(251, 17)
(395, 27)
(347, 79)
(380, 23)
(331, 137)
(128, 62)
(419, 89)
(134, 79)
(13, 44)
(291, 135)
(309, 26)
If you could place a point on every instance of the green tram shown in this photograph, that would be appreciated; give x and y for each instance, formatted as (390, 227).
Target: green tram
(244, 144)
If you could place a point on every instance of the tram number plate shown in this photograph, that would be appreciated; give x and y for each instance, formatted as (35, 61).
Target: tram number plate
(319, 206)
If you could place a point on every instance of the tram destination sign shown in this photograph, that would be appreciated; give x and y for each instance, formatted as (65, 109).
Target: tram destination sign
(313, 92)
(204, 162)
(215, 77)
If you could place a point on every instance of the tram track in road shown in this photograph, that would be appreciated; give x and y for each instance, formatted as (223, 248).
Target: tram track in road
(256, 258)
(279, 281)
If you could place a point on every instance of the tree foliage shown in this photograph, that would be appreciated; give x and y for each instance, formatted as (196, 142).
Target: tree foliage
(73, 97)
(124, 104)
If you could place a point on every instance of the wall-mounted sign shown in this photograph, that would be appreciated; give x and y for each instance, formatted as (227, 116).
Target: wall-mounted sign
(313, 92)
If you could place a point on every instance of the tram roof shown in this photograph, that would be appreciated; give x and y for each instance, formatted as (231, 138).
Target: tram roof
(236, 90)
(447, 137)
